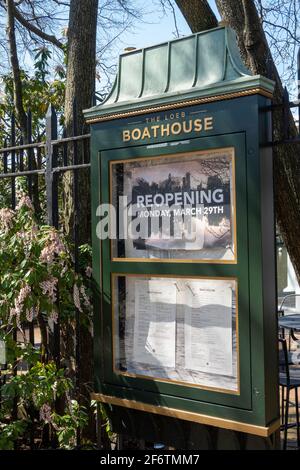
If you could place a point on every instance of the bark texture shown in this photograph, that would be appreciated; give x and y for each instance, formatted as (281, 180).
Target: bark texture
(196, 13)
(243, 17)
(17, 83)
(80, 85)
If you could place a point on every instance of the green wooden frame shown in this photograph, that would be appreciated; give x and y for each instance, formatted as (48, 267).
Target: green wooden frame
(257, 403)
(188, 269)
(198, 76)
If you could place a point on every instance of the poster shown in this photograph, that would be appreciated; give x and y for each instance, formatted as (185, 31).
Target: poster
(179, 329)
(176, 207)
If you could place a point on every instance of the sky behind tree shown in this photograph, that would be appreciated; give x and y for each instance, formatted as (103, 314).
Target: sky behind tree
(157, 27)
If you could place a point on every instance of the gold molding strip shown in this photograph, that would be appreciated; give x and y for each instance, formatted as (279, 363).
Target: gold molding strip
(163, 107)
(263, 431)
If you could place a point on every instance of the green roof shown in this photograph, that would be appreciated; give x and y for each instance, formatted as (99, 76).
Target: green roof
(202, 65)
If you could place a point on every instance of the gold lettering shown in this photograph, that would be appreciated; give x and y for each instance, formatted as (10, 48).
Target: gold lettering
(136, 134)
(198, 125)
(208, 123)
(165, 130)
(146, 133)
(187, 129)
(155, 128)
(176, 128)
(126, 136)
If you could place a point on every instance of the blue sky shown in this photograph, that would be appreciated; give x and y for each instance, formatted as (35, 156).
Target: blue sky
(156, 28)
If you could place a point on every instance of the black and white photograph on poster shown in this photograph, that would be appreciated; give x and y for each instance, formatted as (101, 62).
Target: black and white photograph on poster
(176, 207)
(178, 329)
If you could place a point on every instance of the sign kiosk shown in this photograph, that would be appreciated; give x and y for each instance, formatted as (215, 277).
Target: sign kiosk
(185, 316)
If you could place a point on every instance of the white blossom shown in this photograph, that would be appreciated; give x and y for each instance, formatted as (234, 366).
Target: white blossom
(6, 219)
(54, 316)
(76, 297)
(85, 297)
(53, 248)
(49, 288)
(25, 201)
(88, 271)
(45, 413)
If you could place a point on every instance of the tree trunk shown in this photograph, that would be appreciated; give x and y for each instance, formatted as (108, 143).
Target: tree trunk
(80, 85)
(17, 83)
(196, 13)
(243, 17)
(81, 60)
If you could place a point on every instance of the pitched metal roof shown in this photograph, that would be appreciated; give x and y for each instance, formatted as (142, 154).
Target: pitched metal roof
(203, 65)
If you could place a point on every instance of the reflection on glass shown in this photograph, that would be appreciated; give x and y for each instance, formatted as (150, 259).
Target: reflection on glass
(178, 329)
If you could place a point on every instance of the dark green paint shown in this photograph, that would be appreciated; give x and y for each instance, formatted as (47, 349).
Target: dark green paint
(237, 122)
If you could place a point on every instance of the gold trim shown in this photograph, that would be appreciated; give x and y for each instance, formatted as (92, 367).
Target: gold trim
(263, 431)
(164, 107)
(210, 154)
(177, 382)
(174, 260)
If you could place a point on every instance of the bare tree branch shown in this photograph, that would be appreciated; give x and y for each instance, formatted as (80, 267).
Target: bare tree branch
(66, 4)
(280, 26)
(31, 27)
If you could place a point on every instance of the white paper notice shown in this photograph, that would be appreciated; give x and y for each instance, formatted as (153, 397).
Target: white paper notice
(208, 327)
(155, 323)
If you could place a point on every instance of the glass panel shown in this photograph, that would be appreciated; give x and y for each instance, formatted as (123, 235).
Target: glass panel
(175, 207)
(176, 329)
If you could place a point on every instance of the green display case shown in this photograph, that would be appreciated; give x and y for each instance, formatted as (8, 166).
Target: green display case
(185, 326)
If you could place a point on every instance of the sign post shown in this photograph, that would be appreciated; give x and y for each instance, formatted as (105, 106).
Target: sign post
(183, 247)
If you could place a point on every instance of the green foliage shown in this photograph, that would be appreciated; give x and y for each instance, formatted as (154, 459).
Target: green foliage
(104, 418)
(38, 92)
(41, 63)
(41, 385)
(85, 259)
(67, 424)
(10, 432)
(37, 284)
(35, 394)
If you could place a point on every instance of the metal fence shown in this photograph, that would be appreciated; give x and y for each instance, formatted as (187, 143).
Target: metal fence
(288, 135)
(42, 164)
